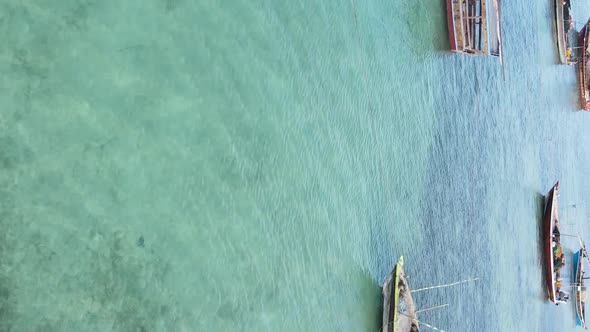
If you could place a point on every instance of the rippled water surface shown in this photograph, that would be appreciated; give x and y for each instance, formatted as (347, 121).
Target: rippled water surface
(260, 165)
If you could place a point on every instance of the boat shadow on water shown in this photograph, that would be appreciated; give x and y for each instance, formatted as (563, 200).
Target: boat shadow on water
(427, 36)
(372, 294)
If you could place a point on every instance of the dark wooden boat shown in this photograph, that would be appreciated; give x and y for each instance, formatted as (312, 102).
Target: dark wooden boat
(475, 26)
(579, 287)
(551, 240)
(583, 66)
(399, 313)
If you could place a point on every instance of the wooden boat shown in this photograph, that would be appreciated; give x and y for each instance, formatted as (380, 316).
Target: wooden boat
(563, 25)
(551, 241)
(475, 26)
(579, 287)
(583, 67)
(399, 313)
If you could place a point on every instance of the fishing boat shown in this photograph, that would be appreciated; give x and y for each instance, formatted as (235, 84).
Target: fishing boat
(563, 26)
(399, 313)
(475, 26)
(583, 66)
(580, 302)
(553, 252)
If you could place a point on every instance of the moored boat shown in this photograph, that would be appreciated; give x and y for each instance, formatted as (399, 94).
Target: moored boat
(583, 66)
(563, 25)
(553, 253)
(581, 295)
(475, 26)
(399, 313)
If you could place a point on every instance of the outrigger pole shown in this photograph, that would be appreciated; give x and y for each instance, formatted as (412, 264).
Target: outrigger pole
(442, 286)
(570, 235)
(432, 308)
(429, 326)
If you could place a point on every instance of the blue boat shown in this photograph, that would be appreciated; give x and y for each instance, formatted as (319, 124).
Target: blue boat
(580, 289)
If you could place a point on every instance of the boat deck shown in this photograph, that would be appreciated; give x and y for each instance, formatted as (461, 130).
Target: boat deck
(466, 18)
(474, 26)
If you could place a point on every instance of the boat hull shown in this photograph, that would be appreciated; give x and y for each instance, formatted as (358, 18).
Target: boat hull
(451, 26)
(560, 31)
(548, 225)
(583, 70)
(579, 286)
(390, 299)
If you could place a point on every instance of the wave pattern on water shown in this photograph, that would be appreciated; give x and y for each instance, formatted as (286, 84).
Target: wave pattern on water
(256, 166)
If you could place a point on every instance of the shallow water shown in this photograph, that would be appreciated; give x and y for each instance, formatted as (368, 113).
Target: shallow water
(254, 165)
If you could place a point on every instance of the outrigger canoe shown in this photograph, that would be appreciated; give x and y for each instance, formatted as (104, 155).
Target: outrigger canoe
(563, 25)
(399, 313)
(551, 239)
(580, 289)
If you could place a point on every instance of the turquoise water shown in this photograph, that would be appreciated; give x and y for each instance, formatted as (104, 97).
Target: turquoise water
(182, 165)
